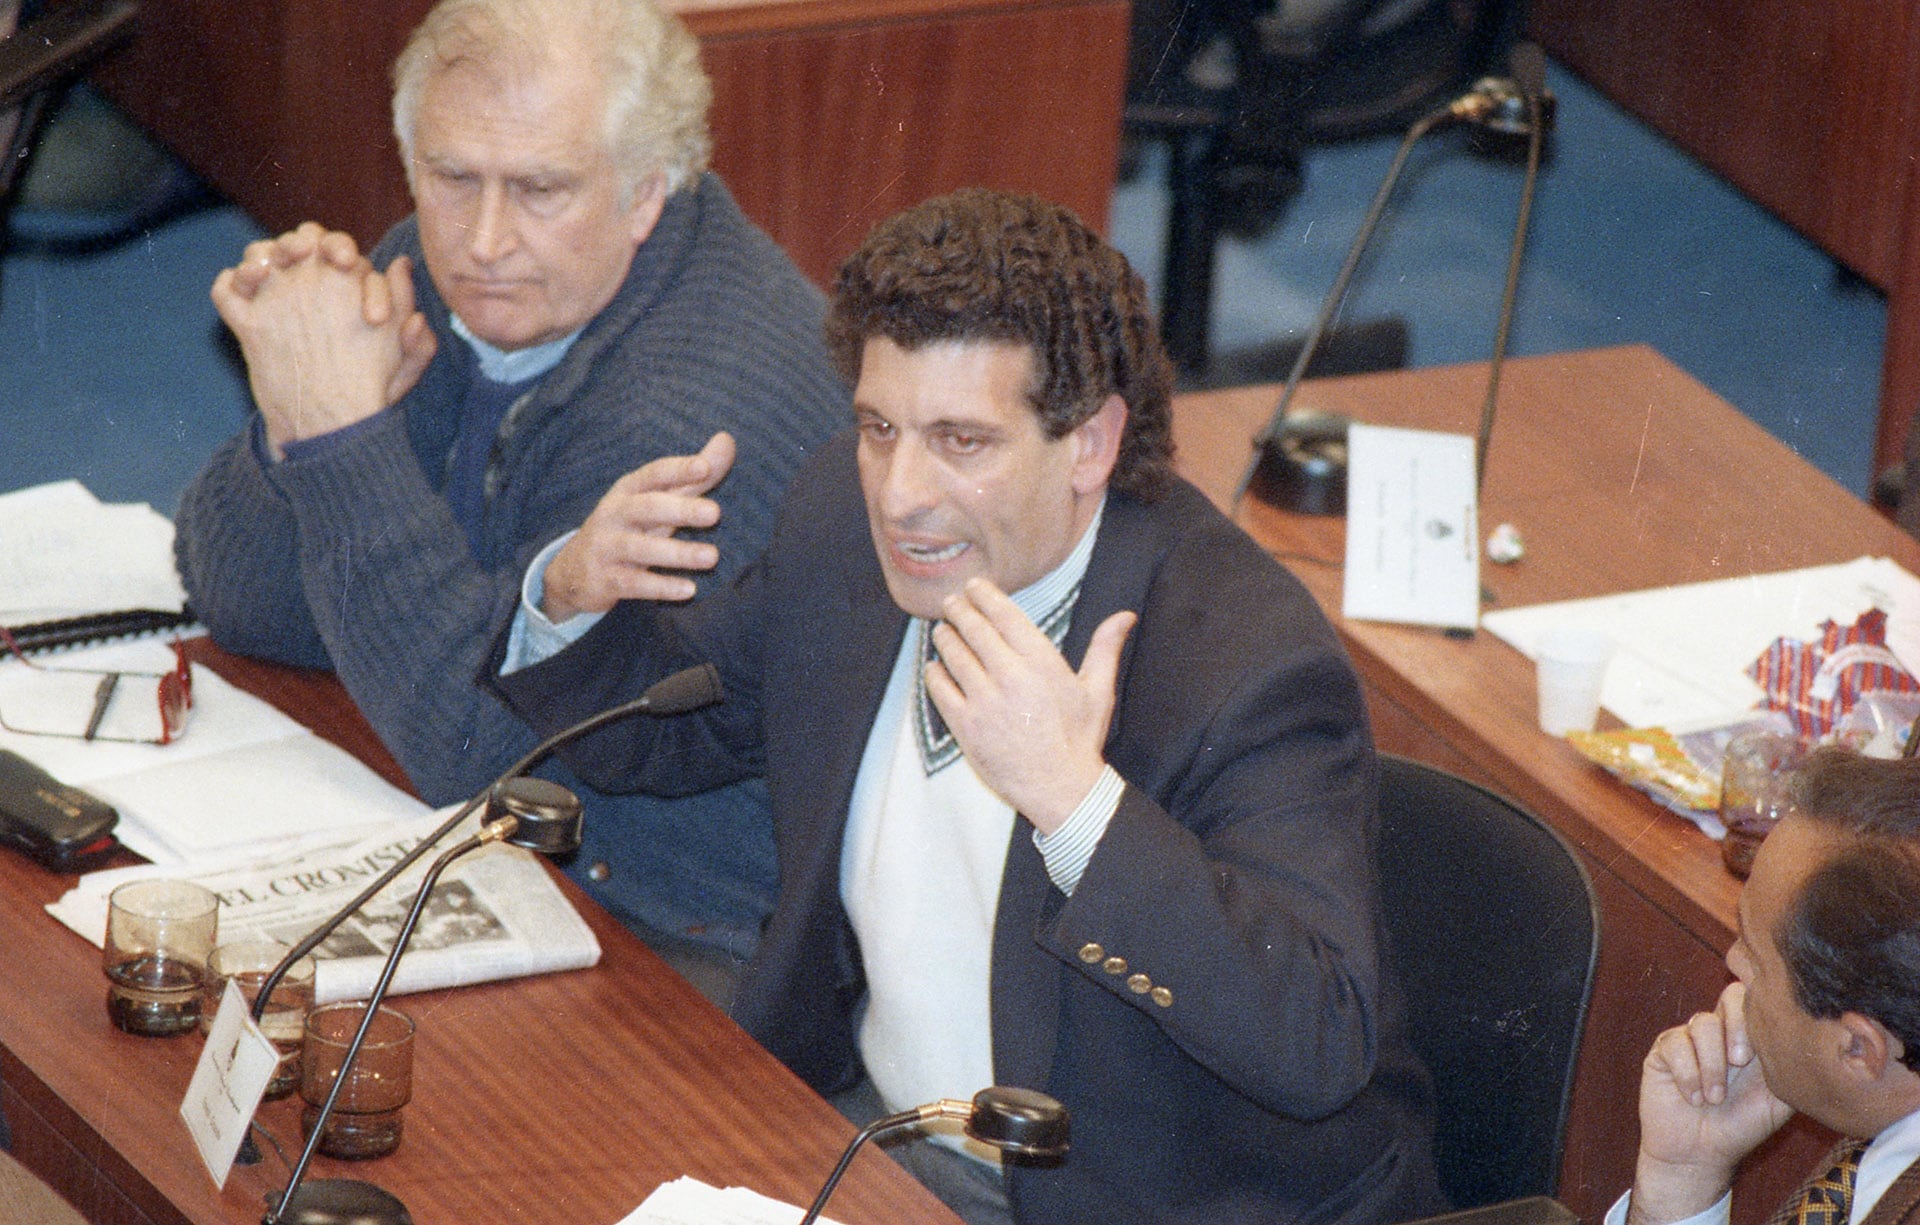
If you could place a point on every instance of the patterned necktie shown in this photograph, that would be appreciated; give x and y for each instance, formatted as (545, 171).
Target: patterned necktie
(1827, 1200)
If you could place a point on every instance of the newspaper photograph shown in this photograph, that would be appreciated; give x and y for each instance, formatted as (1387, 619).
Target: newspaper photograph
(495, 912)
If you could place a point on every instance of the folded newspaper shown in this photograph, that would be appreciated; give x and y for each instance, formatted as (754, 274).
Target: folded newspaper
(495, 913)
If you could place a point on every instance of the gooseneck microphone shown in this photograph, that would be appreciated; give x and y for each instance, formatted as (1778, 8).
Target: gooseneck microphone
(688, 689)
(1019, 1122)
(1504, 106)
(1528, 111)
(533, 813)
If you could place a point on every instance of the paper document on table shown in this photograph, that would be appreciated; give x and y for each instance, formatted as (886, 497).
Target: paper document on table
(1681, 653)
(688, 1201)
(242, 773)
(63, 552)
(495, 913)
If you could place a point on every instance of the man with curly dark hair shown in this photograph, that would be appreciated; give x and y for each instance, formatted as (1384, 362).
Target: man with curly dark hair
(1072, 784)
(1823, 1018)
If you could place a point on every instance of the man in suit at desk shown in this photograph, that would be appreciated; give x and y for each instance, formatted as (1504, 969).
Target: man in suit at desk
(1824, 1017)
(588, 298)
(1072, 784)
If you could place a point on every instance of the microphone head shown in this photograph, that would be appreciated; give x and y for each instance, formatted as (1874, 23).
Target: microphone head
(689, 689)
(1019, 1122)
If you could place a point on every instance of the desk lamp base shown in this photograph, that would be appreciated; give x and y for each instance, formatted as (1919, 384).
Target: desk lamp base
(338, 1201)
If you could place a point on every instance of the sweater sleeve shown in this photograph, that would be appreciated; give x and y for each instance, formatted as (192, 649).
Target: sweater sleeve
(236, 548)
(713, 330)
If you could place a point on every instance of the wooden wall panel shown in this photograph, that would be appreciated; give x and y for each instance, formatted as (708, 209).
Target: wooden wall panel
(1807, 108)
(921, 107)
(1813, 110)
(828, 114)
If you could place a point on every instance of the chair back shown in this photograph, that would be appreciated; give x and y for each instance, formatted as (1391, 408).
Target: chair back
(1492, 931)
(40, 56)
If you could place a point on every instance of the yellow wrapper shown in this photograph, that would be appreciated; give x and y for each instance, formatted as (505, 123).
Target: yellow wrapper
(1651, 759)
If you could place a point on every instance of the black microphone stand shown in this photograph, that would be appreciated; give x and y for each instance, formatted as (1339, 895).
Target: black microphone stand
(1016, 1121)
(1534, 116)
(1273, 450)
(1303, 459)
(529, 812)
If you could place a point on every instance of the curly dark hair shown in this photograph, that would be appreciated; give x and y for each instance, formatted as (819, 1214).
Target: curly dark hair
(1851, 939)
(990, 266)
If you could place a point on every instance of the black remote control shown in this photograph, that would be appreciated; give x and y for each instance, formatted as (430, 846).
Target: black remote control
(57, 825)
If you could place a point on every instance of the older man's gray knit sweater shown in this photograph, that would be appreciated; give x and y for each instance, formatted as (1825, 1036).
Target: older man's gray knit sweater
(352, 560)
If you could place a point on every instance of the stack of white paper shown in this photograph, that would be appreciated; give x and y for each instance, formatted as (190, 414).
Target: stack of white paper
(63, 553)
(242, 774)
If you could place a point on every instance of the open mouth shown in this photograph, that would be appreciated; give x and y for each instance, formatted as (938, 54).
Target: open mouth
(929, 555)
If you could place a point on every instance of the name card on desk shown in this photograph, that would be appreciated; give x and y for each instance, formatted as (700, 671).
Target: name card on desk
(1413, 528)
(235, 1066)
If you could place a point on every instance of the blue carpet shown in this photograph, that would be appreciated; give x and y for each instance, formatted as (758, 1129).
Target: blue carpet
(114, 367)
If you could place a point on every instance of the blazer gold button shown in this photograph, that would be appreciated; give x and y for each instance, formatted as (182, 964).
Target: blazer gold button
(1091, 953)
(599, 871)
(1161, 996)
(1115, 965)
(1139, 984)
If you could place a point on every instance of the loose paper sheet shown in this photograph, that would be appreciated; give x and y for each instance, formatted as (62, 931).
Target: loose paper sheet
(688, 1201)
(63, 552)
(1681, 652)
(242, 774)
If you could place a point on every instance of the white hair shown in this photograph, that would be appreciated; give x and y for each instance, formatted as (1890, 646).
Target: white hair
(656, 92)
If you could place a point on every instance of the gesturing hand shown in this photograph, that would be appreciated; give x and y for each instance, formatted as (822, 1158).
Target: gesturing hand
(628, 539)
(1032, 727)
(1704, 1105)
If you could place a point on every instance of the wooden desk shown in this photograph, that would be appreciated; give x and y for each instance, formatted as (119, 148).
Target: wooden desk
(560, 1097)
(828, 115)
(1621, 472)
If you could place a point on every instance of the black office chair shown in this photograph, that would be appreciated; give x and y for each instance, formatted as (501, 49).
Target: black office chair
(1239, 90)
(37, 60)
(1492, 931)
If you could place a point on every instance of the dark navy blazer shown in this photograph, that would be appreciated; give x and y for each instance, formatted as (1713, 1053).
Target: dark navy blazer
(1209, 1003)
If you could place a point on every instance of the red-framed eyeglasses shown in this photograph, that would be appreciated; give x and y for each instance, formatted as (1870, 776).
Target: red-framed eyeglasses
(97, 705)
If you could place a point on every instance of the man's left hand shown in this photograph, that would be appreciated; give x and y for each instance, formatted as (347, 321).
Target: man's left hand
(1032, 727)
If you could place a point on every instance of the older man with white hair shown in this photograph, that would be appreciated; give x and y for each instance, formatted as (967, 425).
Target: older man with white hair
(575, 295)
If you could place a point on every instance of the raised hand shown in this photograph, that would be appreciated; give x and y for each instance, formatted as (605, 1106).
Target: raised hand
(1032, 727)
(620, 551)
(1704, 1105)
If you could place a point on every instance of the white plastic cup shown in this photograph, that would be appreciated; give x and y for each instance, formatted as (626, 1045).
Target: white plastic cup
(1571, 664)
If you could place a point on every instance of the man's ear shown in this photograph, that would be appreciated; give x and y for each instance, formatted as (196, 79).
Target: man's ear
(649, 198)
(1868, 1051)
(1097, 446)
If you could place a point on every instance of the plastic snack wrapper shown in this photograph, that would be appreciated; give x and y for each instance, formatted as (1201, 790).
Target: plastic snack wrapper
(1679, 772)
(1845, 685)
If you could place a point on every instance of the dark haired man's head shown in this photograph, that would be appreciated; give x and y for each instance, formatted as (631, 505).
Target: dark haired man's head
(980, 266)
(1852, 936)
(1829, 944)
